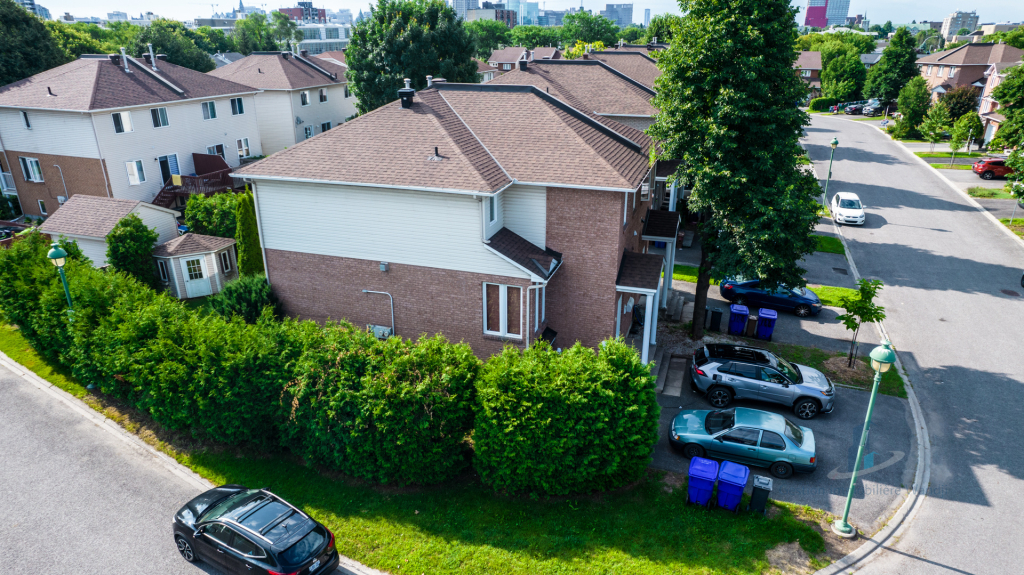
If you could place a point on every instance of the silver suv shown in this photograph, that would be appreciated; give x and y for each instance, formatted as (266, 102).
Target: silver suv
(725, 372)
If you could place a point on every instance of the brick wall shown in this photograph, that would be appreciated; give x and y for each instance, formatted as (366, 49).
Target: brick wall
(81, 176)
(427, 300)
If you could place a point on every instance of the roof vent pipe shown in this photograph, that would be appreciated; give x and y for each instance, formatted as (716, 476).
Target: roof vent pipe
(286, 55)
(406, 94)
(152, 57)
(430, 81)
(124, 58)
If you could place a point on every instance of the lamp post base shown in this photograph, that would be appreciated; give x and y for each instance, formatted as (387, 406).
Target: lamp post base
(843, 529)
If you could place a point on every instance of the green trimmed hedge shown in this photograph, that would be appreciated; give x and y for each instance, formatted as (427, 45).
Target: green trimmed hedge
(822, 104)
(553, 423)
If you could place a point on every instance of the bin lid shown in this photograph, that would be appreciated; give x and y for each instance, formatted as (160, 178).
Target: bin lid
(734, 473)
(768, 313)
(740, 309)
(763, 482)
(703, 468)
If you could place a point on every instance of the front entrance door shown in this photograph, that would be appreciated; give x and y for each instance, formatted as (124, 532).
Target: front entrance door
(168, 166)
(197, 280)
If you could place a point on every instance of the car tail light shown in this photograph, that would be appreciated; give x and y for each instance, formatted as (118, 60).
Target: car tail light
(700, 371)
(278, 573)
(331, 542)
(727, 286)
(812, 459)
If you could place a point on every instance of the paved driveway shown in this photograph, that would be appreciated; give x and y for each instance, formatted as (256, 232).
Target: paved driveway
(959, 334)
(892, 451)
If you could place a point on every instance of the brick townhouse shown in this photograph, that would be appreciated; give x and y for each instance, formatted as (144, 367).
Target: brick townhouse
(494, 214)
(964, 66)
(117, 126)
(991, 117)
(808, 68)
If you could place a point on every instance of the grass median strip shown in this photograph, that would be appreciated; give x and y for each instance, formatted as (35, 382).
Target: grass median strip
(831, 295)
(949, 154)
(1017, 227)
(830, 245)
(951, 167)
(991, 193)
(464, 527)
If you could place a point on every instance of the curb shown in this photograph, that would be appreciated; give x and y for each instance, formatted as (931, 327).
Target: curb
(918, 491)
(346, 566)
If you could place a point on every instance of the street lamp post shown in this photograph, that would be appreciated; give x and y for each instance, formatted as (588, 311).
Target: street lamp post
(59, 257)
(835, 143)
(882, 358)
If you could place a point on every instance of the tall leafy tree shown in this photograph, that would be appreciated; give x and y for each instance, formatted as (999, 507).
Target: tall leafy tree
(26, 46)
(581, 48)
(843, 77)
(861, 309)
(661, 27)
(896, 67)
(533, 36)
(130, 249)
(965, 130)
(247, 236)
(212, 215)
(407, 39)
(631, 34)
(1010, 95)
(1014, 38)
(285, 30)
(488, 36)
(913, 101)
(171, 38)
(936, 123)
(253, 34)
(588, 28)
(211, 40)
(813, 42)
(961, 100)
(728, 114)
(73, 41)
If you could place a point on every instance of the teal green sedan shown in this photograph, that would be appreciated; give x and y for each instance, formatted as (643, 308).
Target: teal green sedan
(747, 436)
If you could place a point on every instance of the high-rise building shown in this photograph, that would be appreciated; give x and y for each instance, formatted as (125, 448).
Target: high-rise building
(957, 20)
(34, 8)
(305, 12)
(825, 13)
(836, 12)
(117, 16)
(647, 17)
(462, 5)
(621, 14)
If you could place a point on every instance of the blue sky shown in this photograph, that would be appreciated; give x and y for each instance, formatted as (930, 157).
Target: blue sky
(878, 11)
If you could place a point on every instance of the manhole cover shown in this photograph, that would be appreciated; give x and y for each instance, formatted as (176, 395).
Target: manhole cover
(1010, 292)
(840, 271)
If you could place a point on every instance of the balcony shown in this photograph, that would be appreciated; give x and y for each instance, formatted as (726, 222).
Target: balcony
(6, 182)
(213, 179)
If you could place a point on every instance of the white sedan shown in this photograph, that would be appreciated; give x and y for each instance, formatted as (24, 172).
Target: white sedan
(847, 209)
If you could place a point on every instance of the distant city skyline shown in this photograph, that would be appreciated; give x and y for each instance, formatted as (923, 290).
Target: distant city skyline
(878, 11)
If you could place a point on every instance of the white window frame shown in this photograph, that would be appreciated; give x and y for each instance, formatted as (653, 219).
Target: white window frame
(952, 71)
(243, 145)
(139, 169)
(223, 153)
(237, 107)
(805, 73)
(492, 209)
(126, 122)
(506, 67)
(323, 95)
(159, 115)
(942, 70)
(502, 310)
(209, 110)
(323, 129)
(348, 93)
(308, 132)
(304, 98)
(161, 270)
(42, 207)
(28, 173)
(24, 118)
(543, 303)
(225, 261)
(625, 208)
(539, 301)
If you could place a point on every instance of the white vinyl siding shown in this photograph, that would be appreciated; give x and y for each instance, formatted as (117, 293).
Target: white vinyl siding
(93, 248)
(52, 133)
(276, 120)
(335, 223)
(122, 122)
(163, 223)
(525, 213)
(491, 226)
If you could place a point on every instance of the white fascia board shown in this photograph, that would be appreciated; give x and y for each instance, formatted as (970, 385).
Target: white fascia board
(132, 107)
(364, 185)
(628, 289)
(623, 115)
(533, 277)
(155, 207)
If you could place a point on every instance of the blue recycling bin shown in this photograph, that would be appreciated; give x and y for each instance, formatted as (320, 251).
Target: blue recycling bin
(703, 473)
(766, 323)
(737, 319)
(732, 480)
(659, 245)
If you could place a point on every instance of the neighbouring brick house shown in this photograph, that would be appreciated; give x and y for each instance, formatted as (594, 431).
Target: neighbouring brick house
(486, 71)
(964, 66)
(118, 127)
(299, 96)
(635, 65)
(808, 68)
(504, 215)
(989, 109)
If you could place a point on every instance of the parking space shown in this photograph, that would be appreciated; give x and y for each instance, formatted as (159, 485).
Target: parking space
(884, 479)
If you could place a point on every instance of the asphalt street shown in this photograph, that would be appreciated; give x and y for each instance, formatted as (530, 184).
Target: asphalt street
(956, 315)
(75, 498)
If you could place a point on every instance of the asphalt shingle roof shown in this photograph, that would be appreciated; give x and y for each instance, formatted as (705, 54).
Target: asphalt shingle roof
(639, 270)
(334, 56)
(273, 71)
(661, 224)
(528, 256)
(508, 55)
(636, 65)
(546, 53)
(977, 54)
(808, 61)
(90, 216)
(597, 87)
(191, 244)
(93, 82)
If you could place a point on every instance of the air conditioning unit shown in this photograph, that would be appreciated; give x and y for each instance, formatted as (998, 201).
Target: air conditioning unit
(379, 331)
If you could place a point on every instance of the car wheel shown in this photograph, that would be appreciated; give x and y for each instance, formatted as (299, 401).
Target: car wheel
(720, 397)
(806, 409)
(987, 175)
(740, 300)
(692, 450)
(781, 469)
(185, 549)
(802, 310)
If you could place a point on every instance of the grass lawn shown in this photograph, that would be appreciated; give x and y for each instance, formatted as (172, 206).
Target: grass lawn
(464, 527)
(803, 160)
(830, 245)
(891, 383)
(993, 193)
(949, 154)
(1017, 227)
(951, 167)
(687, 274)
(824, 212)
(830, 295)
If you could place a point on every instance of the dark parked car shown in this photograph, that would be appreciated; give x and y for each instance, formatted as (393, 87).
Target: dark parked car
(241, 530)
(854, 109)
(801, 301)
(989, 168)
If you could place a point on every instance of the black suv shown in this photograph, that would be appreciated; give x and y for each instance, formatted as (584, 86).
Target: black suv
(241, 530)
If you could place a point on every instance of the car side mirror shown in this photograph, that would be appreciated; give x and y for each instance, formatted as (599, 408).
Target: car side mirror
(199, 531)
(719, 439)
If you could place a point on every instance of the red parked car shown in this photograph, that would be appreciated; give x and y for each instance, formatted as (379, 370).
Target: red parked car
(989, 168)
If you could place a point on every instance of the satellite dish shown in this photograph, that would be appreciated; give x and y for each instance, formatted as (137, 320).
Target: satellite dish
(298, 121)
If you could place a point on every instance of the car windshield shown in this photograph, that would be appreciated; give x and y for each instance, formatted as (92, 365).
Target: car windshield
(798, 291)
(791, 371)
(718, 420)
(226, 505)
(793, 432)
(849, 204)
(305, 548)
